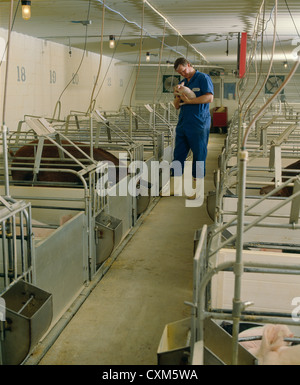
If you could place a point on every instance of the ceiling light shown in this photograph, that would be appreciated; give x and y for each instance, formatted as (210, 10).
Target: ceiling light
(112, 40)
(147, 57)
(285, 64)
(26, 9)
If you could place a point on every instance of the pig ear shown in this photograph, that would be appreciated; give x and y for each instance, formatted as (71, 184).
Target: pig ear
(269, 333)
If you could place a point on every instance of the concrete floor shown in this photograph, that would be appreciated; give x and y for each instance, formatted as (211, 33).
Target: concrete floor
(122, 320)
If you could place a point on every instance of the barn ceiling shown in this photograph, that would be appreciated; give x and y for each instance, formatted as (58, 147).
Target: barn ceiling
(206, 32)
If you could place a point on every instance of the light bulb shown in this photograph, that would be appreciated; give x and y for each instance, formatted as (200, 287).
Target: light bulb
(26, 10)
(112, 41)
(148, 57)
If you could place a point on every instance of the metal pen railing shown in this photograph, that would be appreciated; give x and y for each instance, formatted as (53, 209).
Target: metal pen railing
(17, 252)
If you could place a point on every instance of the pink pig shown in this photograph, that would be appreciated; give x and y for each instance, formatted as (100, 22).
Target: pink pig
(181, 89)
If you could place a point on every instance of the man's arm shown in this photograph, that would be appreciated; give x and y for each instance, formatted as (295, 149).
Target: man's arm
(177, 102)
(203, 99)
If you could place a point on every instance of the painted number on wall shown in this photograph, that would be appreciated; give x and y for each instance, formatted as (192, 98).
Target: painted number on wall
(21, 74)
(75, 79)
(52, 77)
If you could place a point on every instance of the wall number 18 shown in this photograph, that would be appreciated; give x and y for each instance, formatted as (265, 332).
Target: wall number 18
(21, 74)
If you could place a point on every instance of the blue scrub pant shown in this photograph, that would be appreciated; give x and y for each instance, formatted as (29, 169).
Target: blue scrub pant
(195, 138)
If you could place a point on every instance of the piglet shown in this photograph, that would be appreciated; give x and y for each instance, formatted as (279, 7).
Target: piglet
(181, 89)
(274, 350)
(252, 346)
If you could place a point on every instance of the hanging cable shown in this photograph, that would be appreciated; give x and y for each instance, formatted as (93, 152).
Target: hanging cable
(140, 56)
(4, 128)
(12, 26)
(262, 110)
(251, 58)
(129, 80)
(256, 33)
(138, 70)
(145, 32)
(270, 63)
(58, 103)
(111, 59)
(159, 64)
(292, 17)
(176, 30)
(7, 62)
(93, 101)
(173, 70)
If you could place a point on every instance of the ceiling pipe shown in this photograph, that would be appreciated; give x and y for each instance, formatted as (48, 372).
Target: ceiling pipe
(146, 32)
(176, 30)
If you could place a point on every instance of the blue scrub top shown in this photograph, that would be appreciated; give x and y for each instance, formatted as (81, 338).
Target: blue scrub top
(201, 84)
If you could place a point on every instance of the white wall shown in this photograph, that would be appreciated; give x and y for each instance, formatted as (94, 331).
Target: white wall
(39, 71)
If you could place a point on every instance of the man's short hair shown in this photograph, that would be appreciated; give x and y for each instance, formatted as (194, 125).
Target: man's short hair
(181, 61)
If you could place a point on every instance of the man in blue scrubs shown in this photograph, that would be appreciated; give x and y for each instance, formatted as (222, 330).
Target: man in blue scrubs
(194, 120)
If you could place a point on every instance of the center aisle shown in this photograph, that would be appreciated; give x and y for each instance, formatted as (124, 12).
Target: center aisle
(122, 320)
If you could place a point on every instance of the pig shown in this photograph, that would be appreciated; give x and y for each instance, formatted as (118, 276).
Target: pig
(285, 191)
(274, 350)
(252, 345)
(181, 89)
(271, 348)
(24, 157)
